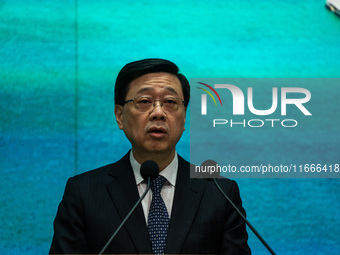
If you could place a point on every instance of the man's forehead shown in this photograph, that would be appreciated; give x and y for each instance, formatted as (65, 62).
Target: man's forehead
(155, 82)
(155, 88)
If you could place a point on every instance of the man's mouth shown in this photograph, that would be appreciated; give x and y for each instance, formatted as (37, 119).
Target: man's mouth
(157, 132)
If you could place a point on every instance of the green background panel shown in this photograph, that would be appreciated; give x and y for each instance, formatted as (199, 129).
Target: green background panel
(58, 63)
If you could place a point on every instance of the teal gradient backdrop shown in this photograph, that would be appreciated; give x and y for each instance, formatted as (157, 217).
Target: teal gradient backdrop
(58, 65)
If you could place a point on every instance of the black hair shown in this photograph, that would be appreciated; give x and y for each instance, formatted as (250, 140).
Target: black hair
(136, 69)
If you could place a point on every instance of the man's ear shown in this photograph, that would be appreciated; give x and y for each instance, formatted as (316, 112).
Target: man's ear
(185, 118)
(119, 115)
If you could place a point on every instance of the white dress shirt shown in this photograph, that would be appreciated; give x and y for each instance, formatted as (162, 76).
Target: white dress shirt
(168, 190)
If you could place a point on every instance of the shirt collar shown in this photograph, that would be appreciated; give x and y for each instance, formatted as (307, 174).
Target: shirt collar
(170, 172)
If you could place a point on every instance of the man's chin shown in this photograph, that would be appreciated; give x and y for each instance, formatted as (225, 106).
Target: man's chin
(159, 150)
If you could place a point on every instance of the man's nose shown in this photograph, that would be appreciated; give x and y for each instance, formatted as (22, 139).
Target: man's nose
(157, 102)
(157, 111)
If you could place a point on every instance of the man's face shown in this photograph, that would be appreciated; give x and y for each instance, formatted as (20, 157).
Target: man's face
(154, 130)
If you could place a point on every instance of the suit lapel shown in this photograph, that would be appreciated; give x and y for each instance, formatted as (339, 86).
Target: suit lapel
(124, 194)
(188, 194)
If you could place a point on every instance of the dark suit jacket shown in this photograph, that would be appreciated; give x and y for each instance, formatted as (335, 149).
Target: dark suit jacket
(96, 202)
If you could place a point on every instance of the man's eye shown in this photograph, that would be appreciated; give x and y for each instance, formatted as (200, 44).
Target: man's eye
(144, 101)
(170, 101)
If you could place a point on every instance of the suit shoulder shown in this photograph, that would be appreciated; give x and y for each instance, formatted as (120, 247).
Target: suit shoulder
(223, 181)
(97, 172)
(226, 184)
(105, 173)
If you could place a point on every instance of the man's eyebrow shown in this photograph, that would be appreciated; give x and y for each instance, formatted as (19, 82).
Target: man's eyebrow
(170, 89)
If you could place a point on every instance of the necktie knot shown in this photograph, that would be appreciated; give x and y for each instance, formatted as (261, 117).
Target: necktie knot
(157, 184)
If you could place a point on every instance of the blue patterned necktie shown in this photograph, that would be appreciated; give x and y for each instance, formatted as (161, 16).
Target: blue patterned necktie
(158, 219)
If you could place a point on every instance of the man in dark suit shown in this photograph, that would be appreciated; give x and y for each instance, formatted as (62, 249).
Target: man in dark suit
(151, 99)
